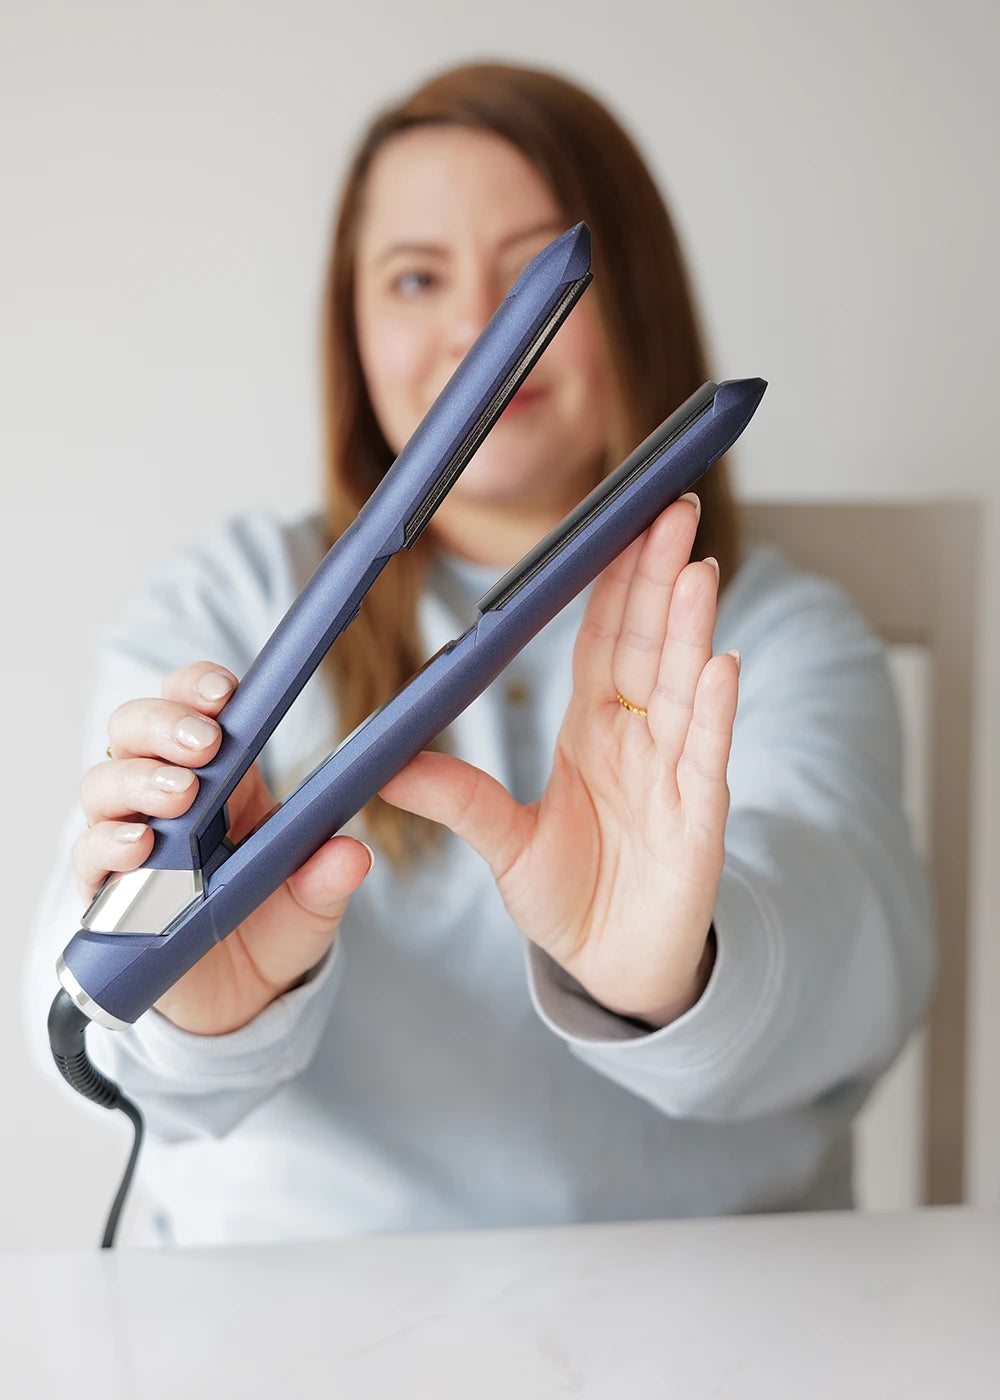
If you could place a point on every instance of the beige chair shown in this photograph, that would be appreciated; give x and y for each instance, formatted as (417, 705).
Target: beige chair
(912, 570)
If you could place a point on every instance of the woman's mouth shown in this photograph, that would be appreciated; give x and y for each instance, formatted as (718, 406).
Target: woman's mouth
(525, 398)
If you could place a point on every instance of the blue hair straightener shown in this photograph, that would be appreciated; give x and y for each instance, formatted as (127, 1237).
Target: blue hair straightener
(145, 928)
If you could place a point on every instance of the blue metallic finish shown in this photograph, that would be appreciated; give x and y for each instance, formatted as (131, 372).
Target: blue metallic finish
(459, 419)
(125, 974)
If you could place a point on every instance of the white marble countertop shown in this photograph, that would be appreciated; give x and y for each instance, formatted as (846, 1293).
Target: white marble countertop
(805, 1307)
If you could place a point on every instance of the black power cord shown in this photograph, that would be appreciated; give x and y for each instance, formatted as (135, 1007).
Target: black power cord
(67, 1039)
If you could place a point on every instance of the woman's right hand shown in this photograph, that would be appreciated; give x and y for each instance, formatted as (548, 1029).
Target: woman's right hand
(156, 745)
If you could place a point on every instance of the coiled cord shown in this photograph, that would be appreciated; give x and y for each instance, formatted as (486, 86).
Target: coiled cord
(67, 1038)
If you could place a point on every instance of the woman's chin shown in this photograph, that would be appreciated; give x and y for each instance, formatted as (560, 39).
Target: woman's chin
(503, 492)
(513, 494)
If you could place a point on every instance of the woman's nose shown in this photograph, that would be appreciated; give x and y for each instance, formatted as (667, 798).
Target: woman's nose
(472, 310)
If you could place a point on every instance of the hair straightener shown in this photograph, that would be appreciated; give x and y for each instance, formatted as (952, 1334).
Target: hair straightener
(145, 928)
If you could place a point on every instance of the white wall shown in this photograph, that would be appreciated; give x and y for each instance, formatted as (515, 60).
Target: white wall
(166, 179)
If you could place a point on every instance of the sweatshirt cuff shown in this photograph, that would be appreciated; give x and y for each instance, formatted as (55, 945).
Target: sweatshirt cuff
(278, 1043)
(734, 1006)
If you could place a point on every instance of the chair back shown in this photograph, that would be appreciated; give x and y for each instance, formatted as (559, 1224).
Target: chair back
(912, 569)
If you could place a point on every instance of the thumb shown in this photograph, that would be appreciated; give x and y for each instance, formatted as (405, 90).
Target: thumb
(294, 928)
(322, 886)
(468, 801)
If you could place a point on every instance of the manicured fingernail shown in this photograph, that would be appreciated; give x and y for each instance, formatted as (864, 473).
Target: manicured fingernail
(196, 732)
(714, 563)
(736, 657)
(173, 779)
(214, 685)
(695, 501)
(129, 831)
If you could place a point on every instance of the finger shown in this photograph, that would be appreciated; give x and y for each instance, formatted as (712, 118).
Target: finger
(107, 847)
(701, 770)
(163, 729)
(602, 620)
(293, 928)
(636, 660)
(687, 648)
(122, 787)
(203, 684)
(467, 801)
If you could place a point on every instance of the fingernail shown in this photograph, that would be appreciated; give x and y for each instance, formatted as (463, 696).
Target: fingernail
(173, 779)
(129, 831)
(371, 858)
(714, 563)
(214, 685)
(736, 657)
(196, 732)
(695, 501)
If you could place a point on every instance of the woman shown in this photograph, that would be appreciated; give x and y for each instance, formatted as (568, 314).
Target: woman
(710, 992)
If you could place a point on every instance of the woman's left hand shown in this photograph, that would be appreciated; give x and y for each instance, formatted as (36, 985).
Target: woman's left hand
(614, 871)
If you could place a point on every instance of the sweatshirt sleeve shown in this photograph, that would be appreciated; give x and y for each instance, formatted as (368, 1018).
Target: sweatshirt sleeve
(825, 952)
(217, 602)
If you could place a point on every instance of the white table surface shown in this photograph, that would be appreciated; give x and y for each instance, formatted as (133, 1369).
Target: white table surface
(799, 1307)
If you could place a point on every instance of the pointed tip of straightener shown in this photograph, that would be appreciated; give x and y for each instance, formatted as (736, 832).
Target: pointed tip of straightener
(565, 259)
(741, 395)
(574, 245)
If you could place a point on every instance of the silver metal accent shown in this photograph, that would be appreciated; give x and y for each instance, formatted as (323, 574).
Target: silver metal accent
(143, 900)
(85, 1002)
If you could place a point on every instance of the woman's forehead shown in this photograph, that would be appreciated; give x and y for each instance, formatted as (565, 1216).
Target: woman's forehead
(440, 183)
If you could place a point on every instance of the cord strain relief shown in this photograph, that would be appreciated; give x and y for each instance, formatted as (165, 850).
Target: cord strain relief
(87, 1080)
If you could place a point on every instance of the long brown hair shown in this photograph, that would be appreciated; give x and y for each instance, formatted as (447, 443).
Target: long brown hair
(645, 310)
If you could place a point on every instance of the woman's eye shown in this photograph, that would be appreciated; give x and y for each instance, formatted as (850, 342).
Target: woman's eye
(411, 284)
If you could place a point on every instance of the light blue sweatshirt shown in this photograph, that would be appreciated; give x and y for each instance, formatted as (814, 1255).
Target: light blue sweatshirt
(440, 1072)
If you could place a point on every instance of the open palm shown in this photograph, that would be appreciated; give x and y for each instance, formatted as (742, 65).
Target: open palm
(614, 871)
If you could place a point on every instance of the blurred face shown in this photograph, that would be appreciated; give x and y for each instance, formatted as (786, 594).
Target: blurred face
(450, 218)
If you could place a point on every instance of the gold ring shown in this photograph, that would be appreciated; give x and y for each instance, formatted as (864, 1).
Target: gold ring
(108, 752)
(627, 705)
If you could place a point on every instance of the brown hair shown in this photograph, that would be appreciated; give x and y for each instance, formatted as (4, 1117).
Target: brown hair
(645, 310)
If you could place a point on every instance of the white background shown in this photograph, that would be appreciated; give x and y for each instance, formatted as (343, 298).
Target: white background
(167, 177)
